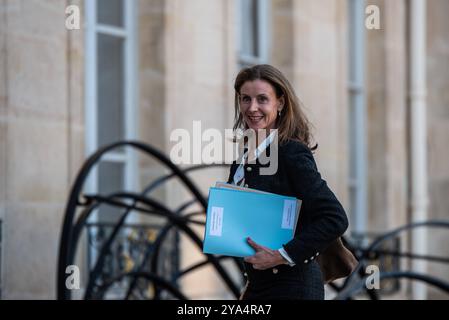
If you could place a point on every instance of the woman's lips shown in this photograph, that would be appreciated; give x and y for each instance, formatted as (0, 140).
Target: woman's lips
(255, 119)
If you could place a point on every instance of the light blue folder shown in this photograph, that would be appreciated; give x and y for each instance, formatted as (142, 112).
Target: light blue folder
(233, 215)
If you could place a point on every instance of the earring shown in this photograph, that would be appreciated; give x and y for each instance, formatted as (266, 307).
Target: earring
(279, 113)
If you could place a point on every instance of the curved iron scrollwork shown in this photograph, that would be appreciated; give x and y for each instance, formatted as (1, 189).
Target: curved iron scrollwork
(73, 225)
(135, 258)
(355, 284)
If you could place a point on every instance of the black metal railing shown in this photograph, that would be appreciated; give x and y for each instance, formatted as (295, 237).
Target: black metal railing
(385, 257)
(80, 207)
(142, 261)
(355, 284)
(132, 251)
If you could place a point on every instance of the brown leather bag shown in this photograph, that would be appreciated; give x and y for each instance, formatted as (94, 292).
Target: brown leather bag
(336, 262)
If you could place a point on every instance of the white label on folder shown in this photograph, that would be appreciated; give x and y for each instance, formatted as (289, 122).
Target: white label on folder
(216, 222)
(288, 218)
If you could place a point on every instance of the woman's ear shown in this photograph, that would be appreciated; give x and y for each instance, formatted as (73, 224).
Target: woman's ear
(281, 103)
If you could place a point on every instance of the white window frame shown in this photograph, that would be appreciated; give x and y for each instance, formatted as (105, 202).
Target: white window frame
(129, 33)
(263, 34)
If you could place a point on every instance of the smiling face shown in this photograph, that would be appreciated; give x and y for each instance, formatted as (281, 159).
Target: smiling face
(259, 104)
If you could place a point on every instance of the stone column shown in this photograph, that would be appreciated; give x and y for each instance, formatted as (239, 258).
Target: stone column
(200, 69)
(438, 126)
(320, 80)
(386, 92)
(34, 143)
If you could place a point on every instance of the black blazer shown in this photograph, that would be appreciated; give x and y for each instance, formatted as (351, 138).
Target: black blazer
(322, 218)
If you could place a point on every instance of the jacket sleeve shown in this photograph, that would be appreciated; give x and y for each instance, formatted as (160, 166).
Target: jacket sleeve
(326, 220)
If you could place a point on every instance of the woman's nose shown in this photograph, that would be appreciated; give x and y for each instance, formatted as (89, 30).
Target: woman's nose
(253, 105)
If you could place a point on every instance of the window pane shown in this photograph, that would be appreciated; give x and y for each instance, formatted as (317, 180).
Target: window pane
(110, 180)
(110, 89)
(250, 28)
(110, 12)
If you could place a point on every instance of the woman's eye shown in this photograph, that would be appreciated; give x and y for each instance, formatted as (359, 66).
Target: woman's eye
(263, 99)
(246, 99)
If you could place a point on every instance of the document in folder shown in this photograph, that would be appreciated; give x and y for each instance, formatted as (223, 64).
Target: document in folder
(235, 213)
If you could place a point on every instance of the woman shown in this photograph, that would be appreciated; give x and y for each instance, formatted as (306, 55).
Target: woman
(264, 100)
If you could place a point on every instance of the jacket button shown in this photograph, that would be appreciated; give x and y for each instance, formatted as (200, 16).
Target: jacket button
(311, 258)
(245, 274)
(249, 169)
(246, 185)
(317, 254)
(275, 270)
(306, 261)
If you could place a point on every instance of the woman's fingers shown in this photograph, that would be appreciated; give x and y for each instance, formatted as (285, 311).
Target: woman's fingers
(257, 259)
(250, 259)
(253, 244)
(260, 260)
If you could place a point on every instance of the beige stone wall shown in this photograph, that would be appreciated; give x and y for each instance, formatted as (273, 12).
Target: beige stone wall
(438, 133)
(282, 49)
(3, 109)
(40, 97)
(152, 92)
(386, 90)
(75, 96)
(200, 69)
(3, 129)
(35, 143)
(320, 79)
(187, 65)
(386, 85)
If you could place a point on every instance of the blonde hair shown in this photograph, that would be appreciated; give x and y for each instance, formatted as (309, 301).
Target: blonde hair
(293, 123)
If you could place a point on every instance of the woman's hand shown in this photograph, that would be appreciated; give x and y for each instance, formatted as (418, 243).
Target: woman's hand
(264, 258)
